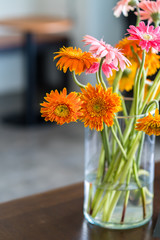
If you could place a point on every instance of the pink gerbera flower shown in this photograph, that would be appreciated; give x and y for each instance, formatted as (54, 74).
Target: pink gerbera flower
(106, 68)
(150, 10)
(100, 49)
(148, 35)
(123, 7)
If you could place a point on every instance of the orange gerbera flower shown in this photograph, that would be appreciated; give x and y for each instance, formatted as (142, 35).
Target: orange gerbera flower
(149, 124)
(74, 59)
(152, 60)
(125, 46)
(98, 106)
(60, 107)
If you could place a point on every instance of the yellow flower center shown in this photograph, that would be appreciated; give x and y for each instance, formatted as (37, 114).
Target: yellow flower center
(96, 107)
(61, 111)
(147, 36)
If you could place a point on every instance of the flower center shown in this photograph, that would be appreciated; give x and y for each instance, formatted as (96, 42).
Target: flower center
(147, 36)
(96, 107)
(61, 110)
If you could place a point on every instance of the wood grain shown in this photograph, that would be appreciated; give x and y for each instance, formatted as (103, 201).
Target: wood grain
(58, 215)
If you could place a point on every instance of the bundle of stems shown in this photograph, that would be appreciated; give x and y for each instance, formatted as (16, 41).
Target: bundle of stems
(121, 150)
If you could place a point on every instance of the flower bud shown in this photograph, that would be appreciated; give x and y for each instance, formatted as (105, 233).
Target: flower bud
(155, 17)
(133, 3)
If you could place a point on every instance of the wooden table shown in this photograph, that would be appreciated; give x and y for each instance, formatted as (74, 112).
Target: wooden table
(38, 24)
(57, 215)
(29, 27)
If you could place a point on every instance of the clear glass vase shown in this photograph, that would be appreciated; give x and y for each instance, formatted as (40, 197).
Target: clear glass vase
(118, 187)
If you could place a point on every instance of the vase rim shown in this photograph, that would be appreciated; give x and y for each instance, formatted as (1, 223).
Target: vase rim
(133, 116)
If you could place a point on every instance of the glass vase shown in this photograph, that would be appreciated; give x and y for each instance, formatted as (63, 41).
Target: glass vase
(119, 175)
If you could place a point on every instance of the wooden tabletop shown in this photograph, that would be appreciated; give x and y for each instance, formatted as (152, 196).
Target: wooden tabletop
(58, 215)
(38, 24)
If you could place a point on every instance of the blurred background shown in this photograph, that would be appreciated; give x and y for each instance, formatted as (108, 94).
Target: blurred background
(37, 156)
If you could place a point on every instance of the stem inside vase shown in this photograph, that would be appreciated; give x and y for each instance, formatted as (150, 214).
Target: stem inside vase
(119, 183)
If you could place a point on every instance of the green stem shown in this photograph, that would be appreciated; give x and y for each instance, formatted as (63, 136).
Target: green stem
(111, 168)
(97, 77)
(138, 81)
(116, 80)
(126, 197)
(119, 143)
(138, 17)
(150, 92)
(129, 162)
(113, 204)
(113, 144)
(136, 54)
(97, 198)
(100, 74)
(124, 173)
(155, 92)
(139, 154)
(105, 140)
(76, 80)
(89, 198)
(143, 202)
(101, 166)
(129, 126)
(158, 97)
(141, 189)
(131, 113)
(98, 201)
(150, 104)
(128, 157)
(128, 130)
(125, 206)
(107, 179)
(119, 129)
(105, 209)
(97, 206)
(123, 106)
(142, 87)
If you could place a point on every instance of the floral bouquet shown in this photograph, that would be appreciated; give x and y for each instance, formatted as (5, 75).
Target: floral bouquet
(119, 145)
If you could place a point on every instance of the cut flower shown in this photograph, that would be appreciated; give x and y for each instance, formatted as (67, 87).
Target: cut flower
(149, 124)
(106, 68)
(152, 60)
(125, 45)
(74, 59)
(123, 6)
(148, 36)
(100, 49)
(98, 106)
(60, 107)
(150, 10)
